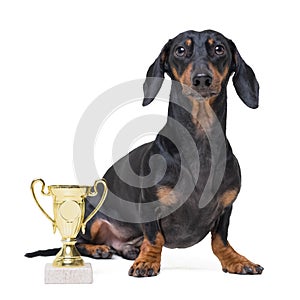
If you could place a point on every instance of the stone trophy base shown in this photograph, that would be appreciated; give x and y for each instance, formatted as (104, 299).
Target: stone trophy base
(64, 275)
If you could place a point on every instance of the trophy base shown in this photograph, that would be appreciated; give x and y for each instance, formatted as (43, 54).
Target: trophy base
(67, 275)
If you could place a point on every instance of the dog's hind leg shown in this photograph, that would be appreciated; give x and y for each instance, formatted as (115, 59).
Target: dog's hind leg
(95, 251)
(103, 239)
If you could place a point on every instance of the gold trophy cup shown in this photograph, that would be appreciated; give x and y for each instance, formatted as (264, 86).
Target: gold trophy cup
(69, 208)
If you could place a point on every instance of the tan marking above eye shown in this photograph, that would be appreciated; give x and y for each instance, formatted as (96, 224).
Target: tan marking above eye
(210, 41)
(188, 42)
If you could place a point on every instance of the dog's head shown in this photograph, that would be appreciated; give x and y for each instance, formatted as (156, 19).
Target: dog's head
(202, 62)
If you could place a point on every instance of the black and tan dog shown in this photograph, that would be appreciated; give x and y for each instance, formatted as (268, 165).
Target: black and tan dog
(200, 65)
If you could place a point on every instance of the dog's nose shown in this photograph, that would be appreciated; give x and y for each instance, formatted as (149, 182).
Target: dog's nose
(202, 80)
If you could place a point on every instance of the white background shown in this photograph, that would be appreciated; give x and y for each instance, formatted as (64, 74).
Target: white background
(56, 57)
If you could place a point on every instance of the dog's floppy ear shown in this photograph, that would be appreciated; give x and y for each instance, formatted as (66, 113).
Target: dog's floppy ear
(244, 80)
(155, 75)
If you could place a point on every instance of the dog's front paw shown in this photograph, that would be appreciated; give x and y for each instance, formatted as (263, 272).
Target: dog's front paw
(144, 269)
(147, 263)
(244, 267)
(231, 261)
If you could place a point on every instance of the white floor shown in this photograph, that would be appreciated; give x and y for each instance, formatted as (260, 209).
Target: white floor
(193, 272)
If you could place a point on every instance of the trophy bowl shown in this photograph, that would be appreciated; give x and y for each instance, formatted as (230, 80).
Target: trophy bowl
(68, 210)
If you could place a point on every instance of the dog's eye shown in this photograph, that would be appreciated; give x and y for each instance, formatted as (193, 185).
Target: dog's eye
(180, 51)
(219, 50)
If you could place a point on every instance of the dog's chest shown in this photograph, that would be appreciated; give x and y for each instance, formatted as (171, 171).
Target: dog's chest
(189, 224)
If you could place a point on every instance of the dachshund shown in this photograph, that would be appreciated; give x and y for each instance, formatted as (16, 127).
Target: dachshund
(177, 199)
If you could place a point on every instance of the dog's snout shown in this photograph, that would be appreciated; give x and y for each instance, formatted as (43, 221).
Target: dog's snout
(202, 80)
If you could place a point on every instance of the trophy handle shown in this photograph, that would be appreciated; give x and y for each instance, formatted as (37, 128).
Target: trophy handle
(90, 193)
(38, 203)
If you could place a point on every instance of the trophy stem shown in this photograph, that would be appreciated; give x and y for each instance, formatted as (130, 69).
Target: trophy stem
(68, 256)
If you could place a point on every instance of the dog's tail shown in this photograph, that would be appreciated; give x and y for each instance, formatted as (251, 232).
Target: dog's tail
(48, 252)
